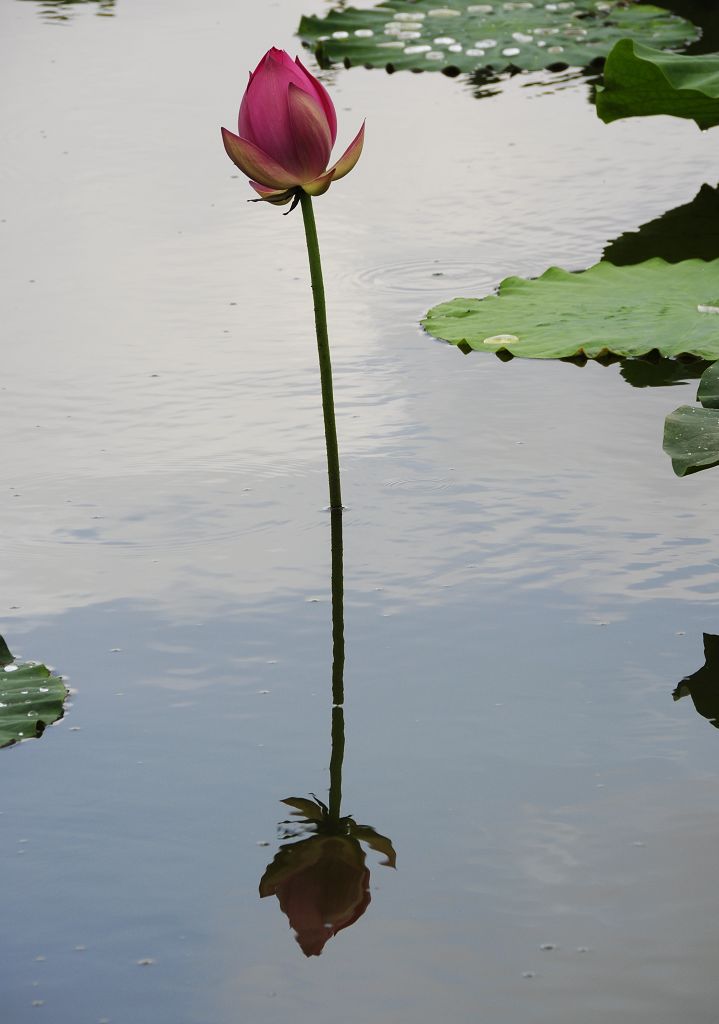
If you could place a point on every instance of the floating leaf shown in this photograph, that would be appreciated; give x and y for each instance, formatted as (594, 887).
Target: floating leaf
(31, 698)
(640, 81)
(690, 232)
(428, 35)
(625, 311)
(691, 433)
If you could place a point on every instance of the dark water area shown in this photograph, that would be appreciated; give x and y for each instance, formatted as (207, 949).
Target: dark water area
(510, 814)
(703, 13)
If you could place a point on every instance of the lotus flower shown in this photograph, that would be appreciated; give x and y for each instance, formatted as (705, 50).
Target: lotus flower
(287, 128)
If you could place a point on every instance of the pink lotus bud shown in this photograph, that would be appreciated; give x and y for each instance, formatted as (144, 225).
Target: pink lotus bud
(287, 128)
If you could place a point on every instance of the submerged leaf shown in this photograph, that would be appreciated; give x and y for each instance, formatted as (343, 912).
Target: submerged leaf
(625, 311)
(427, 35)
(640, 81)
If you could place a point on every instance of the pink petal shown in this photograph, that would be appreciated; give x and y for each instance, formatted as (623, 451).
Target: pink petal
(276, 197)
(244, 126)
(350, 156)
(274, 53)
(324, 97)
(310, 134)
(281, 56)
(264, 114)
(319, 185)
(256, 164)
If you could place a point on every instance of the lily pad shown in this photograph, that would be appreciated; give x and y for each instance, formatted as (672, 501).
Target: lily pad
(626, 311)
(463, 35)
(31, 698)
(691, 432)
(640, 81)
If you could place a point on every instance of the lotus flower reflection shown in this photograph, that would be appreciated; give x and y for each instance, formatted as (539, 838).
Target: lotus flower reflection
(322, 883)
(287, 128)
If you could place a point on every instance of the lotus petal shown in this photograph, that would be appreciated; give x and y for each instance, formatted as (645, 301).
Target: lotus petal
(324, 97)
(310, 134)
(318, 186)
(264, 112)
(270, 195)
(350, 156)
(255, 163)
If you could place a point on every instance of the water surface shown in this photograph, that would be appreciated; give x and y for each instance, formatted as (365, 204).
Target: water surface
(525, 581)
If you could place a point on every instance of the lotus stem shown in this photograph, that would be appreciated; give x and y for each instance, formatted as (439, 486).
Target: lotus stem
(323, 349)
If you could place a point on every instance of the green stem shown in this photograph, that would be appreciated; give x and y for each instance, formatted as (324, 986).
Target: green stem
(323, 349)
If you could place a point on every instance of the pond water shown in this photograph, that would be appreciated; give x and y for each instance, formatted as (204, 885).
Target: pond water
(525, 580)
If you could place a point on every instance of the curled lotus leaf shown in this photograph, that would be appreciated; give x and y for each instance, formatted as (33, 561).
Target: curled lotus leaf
(640, 81)
(691, 432)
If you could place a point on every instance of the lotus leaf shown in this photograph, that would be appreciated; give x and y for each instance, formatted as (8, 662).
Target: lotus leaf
(691, 432)
(640, 80)
(457, 36)
(606, 310)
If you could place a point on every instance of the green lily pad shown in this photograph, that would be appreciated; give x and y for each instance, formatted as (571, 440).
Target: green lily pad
(640, 81)
(626, 311)
(428, 35)
(691, 432)
(31, 698)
